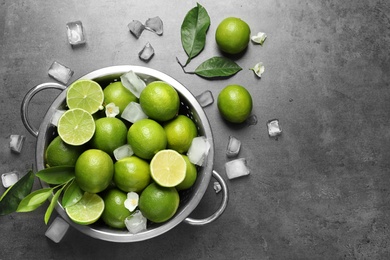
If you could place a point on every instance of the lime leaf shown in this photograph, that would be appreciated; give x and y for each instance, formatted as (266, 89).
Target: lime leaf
(53, 203)
(34, 200)
(72, 195)
(13, 195)
(56, 174)
(217, 67)
(193, 31)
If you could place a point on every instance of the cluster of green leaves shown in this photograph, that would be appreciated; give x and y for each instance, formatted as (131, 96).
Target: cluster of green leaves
(193, 37)
(61, 179)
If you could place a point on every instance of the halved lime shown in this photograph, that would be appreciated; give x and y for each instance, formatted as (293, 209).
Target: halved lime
(76, 126)
(168, 168)
(86, 94)
(87, 210)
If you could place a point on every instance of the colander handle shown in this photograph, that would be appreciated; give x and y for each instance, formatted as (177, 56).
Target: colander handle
(26, 102)
(221, 209)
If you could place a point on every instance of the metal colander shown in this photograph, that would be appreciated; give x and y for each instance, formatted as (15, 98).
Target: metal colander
(189, 199)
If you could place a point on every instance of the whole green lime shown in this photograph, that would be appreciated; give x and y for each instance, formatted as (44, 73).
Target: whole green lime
(158, 204)
(132, 174)
(94, 170)
(110, 133)
(119, 95)
(191, 175)
(58, 153)
(115, 212)
(146, 137)
(235, 103)
(232, 35)
(180, 132)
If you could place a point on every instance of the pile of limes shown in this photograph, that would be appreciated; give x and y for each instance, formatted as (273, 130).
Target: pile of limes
(157, 170)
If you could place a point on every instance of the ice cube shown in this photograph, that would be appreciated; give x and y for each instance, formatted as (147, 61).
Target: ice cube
(57, 230)
(274, 128)
(233, 147)
(136, 222)
(123, 151)
(205, 98)
(132, 201)
(155, 24)
(236, 168)
(147, 52)
(60, 72)
(217, 187)
(16, 143)
(136, 28)
(9, 178)
(251, 120)
(56, 116)
(132, 82)
(75, 32)
(133, 112)
(198, 150)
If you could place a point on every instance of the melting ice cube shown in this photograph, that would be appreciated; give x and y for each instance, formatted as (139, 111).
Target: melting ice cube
(205, 98)
(123, 151)
(146, 53)
(154, 24)
(75, 32)
(57, 230)
(136, 28)
(217, 187)
(251, 120)
(56, 116)
(274, 128)
(133, 112)
(16, 143)
(10, 178)
(132, 82)
(60, 72)
(236, 168)
(233, 147)
(136, 222)
(132, 201)
(198, 150)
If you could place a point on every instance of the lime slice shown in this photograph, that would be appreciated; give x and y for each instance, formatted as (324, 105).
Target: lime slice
(76, 126)
(86, 94)
(87, 211)
(168, 168)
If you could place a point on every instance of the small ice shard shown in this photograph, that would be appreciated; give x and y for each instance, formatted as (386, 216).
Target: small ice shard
(56, 116)
(133, 112)
(236, 168)
(198, 150)
(57, 229)
(258, 69)
(147, 52)
(251, 120)
(132, 82)
(60, 72)
(259, 38)
(233, 147)
(274, 128)
(10, 178)
(136, 222)
(112, 110)
(155, 24)
(205, 98)
(136, 28)
(132, 201)
(123, 151)
(16, 143)
(75, 32)
(217, 187)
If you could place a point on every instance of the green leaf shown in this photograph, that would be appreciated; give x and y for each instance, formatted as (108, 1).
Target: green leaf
(217, 67)
(53, 203)
(34, 200)
(56, 174)
(193, 31)
(13, 195)
(72, 195)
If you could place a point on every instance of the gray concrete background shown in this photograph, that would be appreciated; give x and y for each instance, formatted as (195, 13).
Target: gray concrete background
(321, 191)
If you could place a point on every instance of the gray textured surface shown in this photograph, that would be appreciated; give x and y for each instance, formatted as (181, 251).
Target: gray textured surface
(320, 192)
